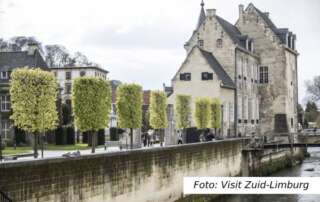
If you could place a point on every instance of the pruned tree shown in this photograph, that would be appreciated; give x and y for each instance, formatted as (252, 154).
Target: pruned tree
(91, 103)
(129, 107)
(33, 95)
(183, 112)
(202, 113)
(158, 112)
(215, 113)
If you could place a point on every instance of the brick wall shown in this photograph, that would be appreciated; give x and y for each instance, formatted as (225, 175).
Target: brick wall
(140, 175)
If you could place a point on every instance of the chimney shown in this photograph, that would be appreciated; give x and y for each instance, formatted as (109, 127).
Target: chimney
(32, 47)
(211, 12)
(267, 14)
(241, 8)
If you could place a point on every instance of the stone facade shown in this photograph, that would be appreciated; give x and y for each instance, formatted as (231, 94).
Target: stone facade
(276, 48)
(261, 63)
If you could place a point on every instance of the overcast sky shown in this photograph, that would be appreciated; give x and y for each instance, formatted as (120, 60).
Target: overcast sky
(142, 40)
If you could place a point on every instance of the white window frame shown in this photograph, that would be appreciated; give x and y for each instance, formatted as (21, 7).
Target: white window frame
(5, 128)
(5, 103)
(264, 75)
(4, 75)
(65, 90)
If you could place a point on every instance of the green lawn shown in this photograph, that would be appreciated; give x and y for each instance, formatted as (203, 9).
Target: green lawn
(23, 150)
(18, 150)
(67, 147)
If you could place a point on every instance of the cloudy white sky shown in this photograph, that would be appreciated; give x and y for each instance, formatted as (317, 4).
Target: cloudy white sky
(142, 41)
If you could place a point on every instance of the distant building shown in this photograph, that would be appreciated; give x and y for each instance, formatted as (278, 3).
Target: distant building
(66, 75)
(31, 58)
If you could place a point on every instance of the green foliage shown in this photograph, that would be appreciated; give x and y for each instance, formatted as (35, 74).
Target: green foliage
(202, 112)
(91, 101)
(129, 105)
(33, 95)
(311, 113)
(158, 110)
(183, 111)
(215, 113)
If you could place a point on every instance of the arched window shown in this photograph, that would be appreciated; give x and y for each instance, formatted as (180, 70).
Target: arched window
(219, 43)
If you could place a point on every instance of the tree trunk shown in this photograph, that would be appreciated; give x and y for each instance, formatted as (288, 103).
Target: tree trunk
(131, 138)
(35, 146)
(42, 146)
(93, 139)
(161, 131)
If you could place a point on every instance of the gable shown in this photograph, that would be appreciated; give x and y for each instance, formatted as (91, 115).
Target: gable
(198, 61)
(194, 63)
(280, 33)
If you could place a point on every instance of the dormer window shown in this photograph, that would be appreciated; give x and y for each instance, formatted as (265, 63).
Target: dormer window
(185, 77)
(219, 43)
(200, 43)
(206, 76)
(250, 45)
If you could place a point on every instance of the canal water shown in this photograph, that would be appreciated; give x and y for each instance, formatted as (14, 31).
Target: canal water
(312, 162)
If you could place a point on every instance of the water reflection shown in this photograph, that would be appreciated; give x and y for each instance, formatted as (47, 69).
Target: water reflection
(312, 162)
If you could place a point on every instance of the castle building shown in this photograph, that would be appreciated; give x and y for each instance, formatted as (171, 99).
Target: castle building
(66, 75)
(250, 66)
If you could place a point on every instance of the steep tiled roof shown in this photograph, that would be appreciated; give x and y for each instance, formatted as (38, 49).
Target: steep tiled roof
(233, 32)
(11, 60)
(218, 69)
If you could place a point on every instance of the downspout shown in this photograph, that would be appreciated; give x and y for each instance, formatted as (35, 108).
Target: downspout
(297, 93)
(235, 94)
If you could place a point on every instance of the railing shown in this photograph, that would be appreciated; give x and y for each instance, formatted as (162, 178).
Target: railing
(4, 197)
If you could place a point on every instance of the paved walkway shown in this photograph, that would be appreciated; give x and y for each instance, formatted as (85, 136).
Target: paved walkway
(55, 154)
